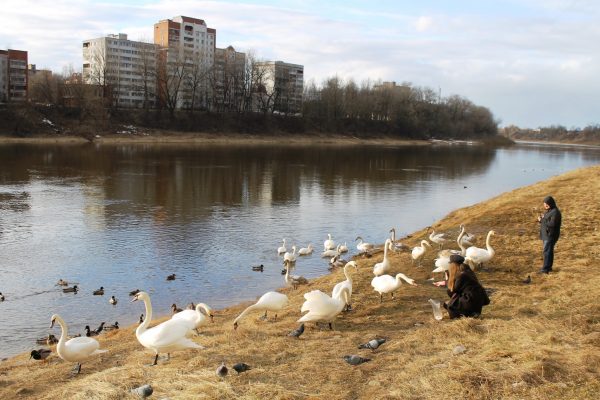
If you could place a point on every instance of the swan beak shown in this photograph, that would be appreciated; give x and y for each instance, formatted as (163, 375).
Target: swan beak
(134, 299)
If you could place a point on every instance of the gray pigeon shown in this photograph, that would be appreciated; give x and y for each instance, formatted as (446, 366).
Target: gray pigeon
(241, 367)
(372, 344)
(355, 360)
(297, 332)
(222, 370)
(143, 391)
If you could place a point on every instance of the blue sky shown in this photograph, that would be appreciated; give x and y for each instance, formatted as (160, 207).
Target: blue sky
(532, 62)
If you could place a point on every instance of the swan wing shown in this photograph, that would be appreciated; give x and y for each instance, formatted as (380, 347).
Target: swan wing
(190, 316)
(80, 348)
(166, 333)
(337, 289)
(273, 301)
(383, 283)
(476, 254)
(315, 300)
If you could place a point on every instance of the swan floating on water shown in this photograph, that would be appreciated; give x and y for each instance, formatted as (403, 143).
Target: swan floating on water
(291, 257)
(329, 244)
(281, 249)
(305, 251)
(362, 246)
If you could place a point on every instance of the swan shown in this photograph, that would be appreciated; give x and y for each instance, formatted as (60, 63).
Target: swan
(329, 244)
(336, 261)
(331, 252)
(166, 337)
(281, 249)
(442, 263)
(437, 238)
(270, 301)
(322, 308)
(467, 239)
(345, 284)
(384, 266)
(293, 280)
(305, 251)
(343, 248)
(419, 251)
(478, 256)
(77, 349)
(396, 245)
(363, 247)
(388, 284)
(198, 316)
(291, 257)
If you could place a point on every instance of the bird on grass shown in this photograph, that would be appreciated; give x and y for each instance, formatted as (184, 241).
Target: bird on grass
(355, 360)
(527, 281)
(171, 277)
(241, 367)
(113, 300)
(297, 332)
(40, 354)
(222, 370)
(372, 344)
(112, 327)
(99, 292)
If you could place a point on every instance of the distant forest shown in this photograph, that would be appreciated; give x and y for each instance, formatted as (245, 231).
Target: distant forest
(335, 106)
(555, 133)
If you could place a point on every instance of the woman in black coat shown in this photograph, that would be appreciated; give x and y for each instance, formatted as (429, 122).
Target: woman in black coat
(467, 296)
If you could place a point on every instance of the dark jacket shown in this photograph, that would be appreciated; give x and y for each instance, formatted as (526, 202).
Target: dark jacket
(468, 296)
(550, 223)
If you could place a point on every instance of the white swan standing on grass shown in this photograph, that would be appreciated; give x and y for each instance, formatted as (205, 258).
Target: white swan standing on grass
(419, 251)
(166, 337)
(396, 244)
(467, 239)
(199, 316)
(345, 284)
(362, 246)
(291, 257)
(384, 266)
(478, 256)
(322, 308)
(388, 284)
(305, 251)
(437, 238)
(329, 244)
(270, 301)
(77, 349)
(293, 280)
(281, 249)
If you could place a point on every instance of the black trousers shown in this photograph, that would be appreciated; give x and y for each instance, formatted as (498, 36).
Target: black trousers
(548, 255)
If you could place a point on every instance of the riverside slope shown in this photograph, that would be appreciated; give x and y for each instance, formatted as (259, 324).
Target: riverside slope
(537, 341)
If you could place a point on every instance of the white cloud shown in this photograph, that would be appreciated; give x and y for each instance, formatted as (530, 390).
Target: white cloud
(423, 23)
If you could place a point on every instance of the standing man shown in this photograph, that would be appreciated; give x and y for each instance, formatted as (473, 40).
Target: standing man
(549, 232)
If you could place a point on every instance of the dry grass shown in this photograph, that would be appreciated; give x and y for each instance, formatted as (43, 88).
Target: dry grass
(537, 341)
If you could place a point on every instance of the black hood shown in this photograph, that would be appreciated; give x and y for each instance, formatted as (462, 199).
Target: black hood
(550, 201)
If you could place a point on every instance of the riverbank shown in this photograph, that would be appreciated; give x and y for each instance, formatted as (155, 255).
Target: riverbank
(533, 341)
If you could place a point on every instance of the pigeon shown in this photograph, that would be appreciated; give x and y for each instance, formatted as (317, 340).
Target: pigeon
(297, 332)
(355, 360)
(143, 391)
(222, 370)
(40, 354)
(528, 280)
(372, 344)
(241, 367)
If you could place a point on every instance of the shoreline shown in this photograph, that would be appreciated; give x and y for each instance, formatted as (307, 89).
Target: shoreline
(516, 350)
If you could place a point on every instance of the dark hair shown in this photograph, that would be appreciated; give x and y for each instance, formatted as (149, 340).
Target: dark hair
(550, 201)
(457, 259)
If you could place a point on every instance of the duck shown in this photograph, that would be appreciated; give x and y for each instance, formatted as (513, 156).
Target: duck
(40, 354)
(329, 244)
(322, 308)
(175, 309)
(2, 298)
(62, 282)
(437, 238)
(113, 300)
(171, 277)
(419, 251)
(70, 289)
(291, 257)
(141, 319)
(77, 349)
(134, 292)
(100, 328)
(343, 248)
(198, 316)
(383, 266)
(331, 252)
(47, 340)
(388, 284)
(112, 327)
(345, 284)
(270, 301)
(99, 292)
(306, 251)
(362, 246)
(89, 332)
(190, 306)
(293, 280)
(477, 256)
(258, 268)
(282, 249)
(166, 337)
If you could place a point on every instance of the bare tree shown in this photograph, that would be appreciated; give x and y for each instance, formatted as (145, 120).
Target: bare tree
(145, 81)
(170, 80)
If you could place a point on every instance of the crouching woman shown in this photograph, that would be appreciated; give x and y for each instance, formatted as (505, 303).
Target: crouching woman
(467, 296)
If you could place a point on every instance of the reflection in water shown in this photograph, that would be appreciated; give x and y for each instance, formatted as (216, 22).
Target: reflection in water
(124, 217)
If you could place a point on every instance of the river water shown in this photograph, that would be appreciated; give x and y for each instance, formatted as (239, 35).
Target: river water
(126, 216)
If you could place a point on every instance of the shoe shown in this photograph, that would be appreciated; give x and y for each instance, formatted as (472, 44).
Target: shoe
(543, 271)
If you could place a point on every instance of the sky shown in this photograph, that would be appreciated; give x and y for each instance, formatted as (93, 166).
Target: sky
(531, 62)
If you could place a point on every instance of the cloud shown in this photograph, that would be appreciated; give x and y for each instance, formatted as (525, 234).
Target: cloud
(423, 23)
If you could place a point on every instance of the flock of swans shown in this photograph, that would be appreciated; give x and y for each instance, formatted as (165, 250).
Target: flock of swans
(176, 333)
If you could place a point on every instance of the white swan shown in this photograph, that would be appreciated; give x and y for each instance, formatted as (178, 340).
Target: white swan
(437, 238)
(281, 249)
(322, 308)
(329, 244)
(396, 244)
(293, 280)
(199, 316)
(478, 256)
(388, 284)
(331, 252)
(362, 246)
(166, 337)
(384, 266)
(270, 301)
(77, 349)
(345, 284)
(343, 248)
(291, 257)
(442, 263)
(467, 239)
(419, 251)
(305, 251)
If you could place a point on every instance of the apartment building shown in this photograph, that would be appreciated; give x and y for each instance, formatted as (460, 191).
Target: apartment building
(228, 79)
(185, 60)
(126, 67)
(278, 87)
(13, 75)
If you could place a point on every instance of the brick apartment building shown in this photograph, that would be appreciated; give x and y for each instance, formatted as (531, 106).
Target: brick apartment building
(13, 76)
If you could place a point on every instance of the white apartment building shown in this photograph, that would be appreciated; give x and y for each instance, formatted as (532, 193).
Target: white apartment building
(126, 67)
(278, 87)
(228, 79)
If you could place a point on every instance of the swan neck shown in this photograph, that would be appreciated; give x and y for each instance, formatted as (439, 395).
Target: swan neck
(385, 250)
(347, 273)
(459, 241)
(144, 325)
(64, 332)
(243, 314)
(487, 242)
